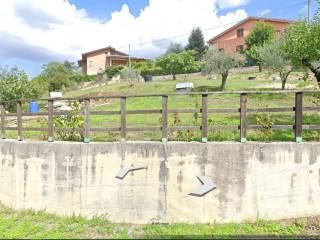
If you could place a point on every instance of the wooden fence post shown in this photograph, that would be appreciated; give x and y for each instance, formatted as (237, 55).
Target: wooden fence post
(123, 102)
(164, 119)
(19, 120)
(298, 117)
(50, 121)
(204, 127)
(87, 120)
(243, 117)
(3, 119)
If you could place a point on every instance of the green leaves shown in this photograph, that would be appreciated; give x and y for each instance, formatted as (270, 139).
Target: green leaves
(72, 122)
(261, 34)
(183, 62)
(215, 61)
(14, 84)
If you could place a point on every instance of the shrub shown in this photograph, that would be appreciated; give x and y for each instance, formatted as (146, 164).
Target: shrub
(130, 75)
(113, 70)
(72, 121)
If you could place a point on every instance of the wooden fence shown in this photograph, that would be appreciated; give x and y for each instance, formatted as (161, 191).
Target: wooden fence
(164, 111)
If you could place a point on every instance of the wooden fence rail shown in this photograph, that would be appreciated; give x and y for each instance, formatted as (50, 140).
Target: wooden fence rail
(243, 111)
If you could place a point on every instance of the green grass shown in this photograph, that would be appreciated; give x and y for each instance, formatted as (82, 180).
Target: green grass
(30, 224)
(235, 82)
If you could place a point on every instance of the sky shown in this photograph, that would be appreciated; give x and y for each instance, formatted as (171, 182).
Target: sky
(35, 32)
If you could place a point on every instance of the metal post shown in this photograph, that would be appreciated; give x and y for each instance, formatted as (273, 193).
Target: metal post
(50, 121)
(243, 117)
(3, 119)
(19, 120)
(87, 120)
(204, 127)
(298, 117)
(123, 106)
(309, 10)
(164, 119)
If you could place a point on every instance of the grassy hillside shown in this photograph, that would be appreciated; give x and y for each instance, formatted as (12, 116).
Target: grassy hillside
(235, 82)
(30, 224)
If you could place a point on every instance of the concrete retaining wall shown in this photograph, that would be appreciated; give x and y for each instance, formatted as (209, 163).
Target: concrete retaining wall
(254, 180)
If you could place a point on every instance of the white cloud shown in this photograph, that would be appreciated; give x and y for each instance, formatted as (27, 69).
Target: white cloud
(264, 12)
(231, 3)
(58, 28)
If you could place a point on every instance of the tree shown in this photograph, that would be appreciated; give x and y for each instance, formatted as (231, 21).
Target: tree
(215, 61)
(174, 47)
(196, 42)
(14, 84)
(174, 64)
(55, 76)
(262, 33)
(302, 41)
(273, 56)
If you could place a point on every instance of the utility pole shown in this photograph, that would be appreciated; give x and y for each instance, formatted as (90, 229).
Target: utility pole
(130, 57)
(309, 10)
(130, 64)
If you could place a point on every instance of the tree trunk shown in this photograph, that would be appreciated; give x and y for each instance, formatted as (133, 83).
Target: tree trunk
(315, 70)
(224, 81)
(174, 77)
(284, 78)
(260, 67)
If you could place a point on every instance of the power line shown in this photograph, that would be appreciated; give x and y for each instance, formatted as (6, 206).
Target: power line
(211, 28)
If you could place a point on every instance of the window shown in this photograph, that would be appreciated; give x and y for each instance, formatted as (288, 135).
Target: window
(90, 63)
(240, 32)
(239, 48)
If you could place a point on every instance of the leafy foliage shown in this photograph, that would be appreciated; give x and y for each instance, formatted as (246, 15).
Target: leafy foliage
(302, 41)
(262, 33)
(56, 76)
(273, 56)
(196, 42)
(72, 121)
(174, 47)
(174, 64)
(130, 75)
(14, 84)
(215, 61)
(266, 123)
(113, 70)
(147, 68)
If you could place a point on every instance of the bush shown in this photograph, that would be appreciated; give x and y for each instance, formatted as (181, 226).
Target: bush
(113, 70)
(72, 121)
(147, 68)
(130, 75)
(14, 84)
(80, 78)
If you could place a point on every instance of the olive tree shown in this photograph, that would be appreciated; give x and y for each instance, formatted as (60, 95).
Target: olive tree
(273, 56)
(302, 41)
(219, 62)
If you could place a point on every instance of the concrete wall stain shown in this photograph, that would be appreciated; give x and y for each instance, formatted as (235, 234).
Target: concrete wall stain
(272, 181)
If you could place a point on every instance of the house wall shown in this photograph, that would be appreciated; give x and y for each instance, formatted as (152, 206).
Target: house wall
(253, 181)
(229, 41)
(96, 62)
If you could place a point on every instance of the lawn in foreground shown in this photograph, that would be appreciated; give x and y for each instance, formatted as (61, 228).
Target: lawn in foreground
(30, 224)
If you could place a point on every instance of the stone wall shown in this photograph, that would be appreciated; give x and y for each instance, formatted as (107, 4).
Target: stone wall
(253, 180)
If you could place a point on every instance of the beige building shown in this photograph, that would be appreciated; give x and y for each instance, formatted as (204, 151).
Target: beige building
(99, 60)
(233, 39)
